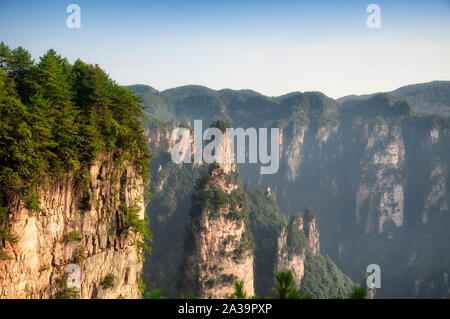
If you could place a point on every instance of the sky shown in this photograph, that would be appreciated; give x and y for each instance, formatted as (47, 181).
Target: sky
(273, 47)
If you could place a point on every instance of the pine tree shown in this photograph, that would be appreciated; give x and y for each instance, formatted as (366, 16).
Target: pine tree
(53, 80)
(21, 71)
(5, 57)
(358, 293)
(285, 285)
(239, 291)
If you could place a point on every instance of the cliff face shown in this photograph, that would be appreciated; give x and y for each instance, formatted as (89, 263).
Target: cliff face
(303, 241)
(380, 190)
(158, 139)
(312, 234)
(84, 227)
(298, 250)
(291, 261)
(218, 248)
(376, 173)
(382, 180)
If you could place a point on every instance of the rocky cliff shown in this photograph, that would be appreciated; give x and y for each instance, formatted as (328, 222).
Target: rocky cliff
(298, 250)
(72, 161)
(218, 247)
(376, 172)
(209, 254)
(78, 224)
(377, 178)
(290, 260)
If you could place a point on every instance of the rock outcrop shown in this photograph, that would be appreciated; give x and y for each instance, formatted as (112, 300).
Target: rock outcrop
(380, 193)
(289, 260)
(376, 172)
(78, 227)
(298, 251)
(298, 240)
(218, 247)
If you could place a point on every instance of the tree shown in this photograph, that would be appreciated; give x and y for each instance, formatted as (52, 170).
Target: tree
(21, 70)
(239, 291)
(358, 293)
(309, 213)
(154, 294)
(56, 118)
(285, 285)
(53, 81)
(5, 57)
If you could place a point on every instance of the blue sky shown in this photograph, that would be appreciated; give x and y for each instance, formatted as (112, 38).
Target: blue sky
(273, 47)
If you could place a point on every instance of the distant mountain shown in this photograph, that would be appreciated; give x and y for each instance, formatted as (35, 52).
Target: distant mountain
(189, 90)
(379, 104)
(427, 98)
(142, 89)
(374, 167)
(432, 98)
(237, 107)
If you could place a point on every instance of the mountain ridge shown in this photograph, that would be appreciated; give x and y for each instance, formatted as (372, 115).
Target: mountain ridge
(408, 92)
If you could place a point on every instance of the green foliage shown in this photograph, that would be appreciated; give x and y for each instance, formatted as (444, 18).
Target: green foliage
(58, 117)
(310, 214)
(323, 279)
(208, 196)
(141, 285)
(212, 198)
(154, 294)
(384, 104)
(358, 293)
(265, 221)
(5, 231)
(239, 291)
(296, 240)
(32, 200)
(80, 255)
(83, 181)
(172, 187)
(108, 282)
(4, 256)
(221, 125)
(285, 285)
(64, 292)
(246, 245)
(73, 236)
(138, 225)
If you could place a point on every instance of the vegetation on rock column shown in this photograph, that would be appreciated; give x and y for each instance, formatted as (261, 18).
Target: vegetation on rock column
(59, 117)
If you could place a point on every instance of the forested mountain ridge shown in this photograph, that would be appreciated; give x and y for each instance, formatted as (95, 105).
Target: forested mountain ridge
(186, 214)
(427, 98)
(375, 171)
(74, 158)
(73, 162)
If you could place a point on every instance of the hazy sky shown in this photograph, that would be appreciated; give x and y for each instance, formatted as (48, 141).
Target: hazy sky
(273, 47)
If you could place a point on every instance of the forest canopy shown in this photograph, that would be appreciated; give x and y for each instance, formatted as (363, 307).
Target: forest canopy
(57, 116)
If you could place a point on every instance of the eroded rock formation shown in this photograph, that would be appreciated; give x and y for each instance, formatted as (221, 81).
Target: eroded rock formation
(218, 248)
(77, 226)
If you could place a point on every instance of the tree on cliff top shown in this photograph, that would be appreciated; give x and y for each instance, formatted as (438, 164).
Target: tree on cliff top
(58, 117)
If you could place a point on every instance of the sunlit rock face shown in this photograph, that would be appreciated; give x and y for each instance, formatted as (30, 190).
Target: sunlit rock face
(375, 171)
(217, 250)
(101, 247)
